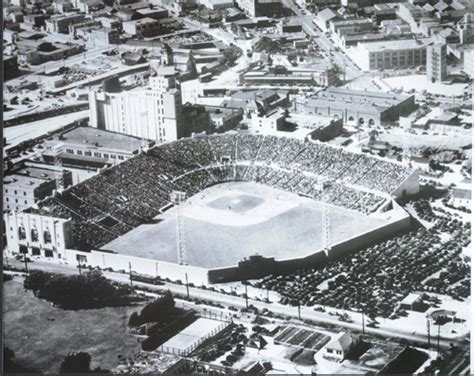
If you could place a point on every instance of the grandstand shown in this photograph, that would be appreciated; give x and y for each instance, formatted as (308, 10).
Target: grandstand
(134, 192)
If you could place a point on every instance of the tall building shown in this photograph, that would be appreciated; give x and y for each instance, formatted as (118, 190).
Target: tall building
(25, 185)
(469, 63)
(436, 62)
(391, 54)
(154, 113)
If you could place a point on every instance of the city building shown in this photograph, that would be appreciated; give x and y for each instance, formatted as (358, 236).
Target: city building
(38, 52)
(60, 23)
(312, 126)
(465, 29)
(217, 4)
(360, 106)
(323, 18)
(391, 54)
(156, 13)
(104, 36)
(225, 119)
(351, 26)
(436, 68)
(90, 6)
(10, 67)
(260, 102)
(322, 76)
(469, 63)
(269, 123)
(25, 185)
(153, 113)
(143, 28)
(196, 118)
(260, 8)
(35, 235)
(91, 147)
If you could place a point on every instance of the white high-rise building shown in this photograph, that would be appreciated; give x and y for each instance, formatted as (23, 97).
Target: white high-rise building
(436, 62)
(469, 63)
(152, 113)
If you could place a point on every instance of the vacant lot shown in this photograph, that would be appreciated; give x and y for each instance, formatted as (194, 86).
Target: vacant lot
(42, 335)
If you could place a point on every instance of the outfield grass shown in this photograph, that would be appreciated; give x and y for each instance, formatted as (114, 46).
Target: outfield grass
(42, 335)
(294, 232)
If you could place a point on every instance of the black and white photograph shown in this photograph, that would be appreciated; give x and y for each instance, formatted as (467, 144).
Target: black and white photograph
(237, 187)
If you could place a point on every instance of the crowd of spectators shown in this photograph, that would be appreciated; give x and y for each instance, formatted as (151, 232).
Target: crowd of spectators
(124, 196)
(377, 278)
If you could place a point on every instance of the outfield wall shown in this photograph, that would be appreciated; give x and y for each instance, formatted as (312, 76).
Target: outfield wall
(264, 266)
(139, 265)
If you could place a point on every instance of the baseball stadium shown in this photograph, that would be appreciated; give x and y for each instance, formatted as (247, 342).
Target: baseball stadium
(231, 207)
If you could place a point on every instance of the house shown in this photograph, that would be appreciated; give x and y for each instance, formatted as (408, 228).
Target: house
(341, 346)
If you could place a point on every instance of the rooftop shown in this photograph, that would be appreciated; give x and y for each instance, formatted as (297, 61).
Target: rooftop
(29, 177)
(309, 121)
(411, 299)
(97, 138)
(344, 97)
(397, 44)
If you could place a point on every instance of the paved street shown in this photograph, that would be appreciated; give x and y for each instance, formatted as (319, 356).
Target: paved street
(307, 313)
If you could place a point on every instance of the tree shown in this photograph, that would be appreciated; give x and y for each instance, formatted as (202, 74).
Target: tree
(76, 363)
(158, 310)
(79, 363)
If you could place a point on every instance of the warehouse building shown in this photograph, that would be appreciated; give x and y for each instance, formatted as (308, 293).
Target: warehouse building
(391, 54)
(359, 106)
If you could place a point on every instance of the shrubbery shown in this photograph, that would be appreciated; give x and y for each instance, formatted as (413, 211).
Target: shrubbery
(89, 290)
(158, 310)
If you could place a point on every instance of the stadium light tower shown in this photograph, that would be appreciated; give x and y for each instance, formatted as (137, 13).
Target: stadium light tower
(326, 223)
(177, 198)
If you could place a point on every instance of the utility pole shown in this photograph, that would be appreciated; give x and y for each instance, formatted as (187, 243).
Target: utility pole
(246, 295)
(187, 285)
(130, 273)
(437, 346)
(79, 266)
(363, 319)
(299, 309)
(429, 334)
(26, 263)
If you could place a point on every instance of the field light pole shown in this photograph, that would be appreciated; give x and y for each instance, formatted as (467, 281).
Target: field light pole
(187, 285)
